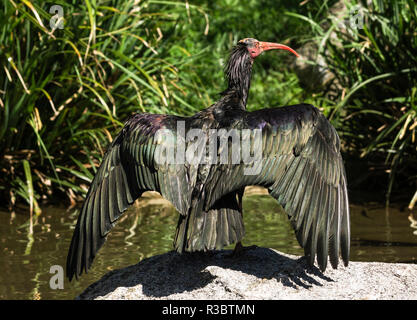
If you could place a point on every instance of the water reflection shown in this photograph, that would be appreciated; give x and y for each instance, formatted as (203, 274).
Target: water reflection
(413, 223)
(148, 229)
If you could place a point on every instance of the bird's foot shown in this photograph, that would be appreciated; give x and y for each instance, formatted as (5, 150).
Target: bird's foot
(240, 249)
(202, 253)
(209, 253)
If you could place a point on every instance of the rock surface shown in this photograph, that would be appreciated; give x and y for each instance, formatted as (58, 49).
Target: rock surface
(258, 273)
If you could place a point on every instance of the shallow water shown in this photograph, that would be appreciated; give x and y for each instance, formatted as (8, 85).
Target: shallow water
(148, 229)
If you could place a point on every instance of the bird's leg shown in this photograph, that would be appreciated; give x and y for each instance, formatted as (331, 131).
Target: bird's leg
(238, 249)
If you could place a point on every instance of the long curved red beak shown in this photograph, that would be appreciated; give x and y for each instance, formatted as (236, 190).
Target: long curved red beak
(265, 46)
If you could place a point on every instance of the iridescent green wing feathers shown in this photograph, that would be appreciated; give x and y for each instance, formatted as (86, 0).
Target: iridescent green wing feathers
(128, 169)
(302, 168)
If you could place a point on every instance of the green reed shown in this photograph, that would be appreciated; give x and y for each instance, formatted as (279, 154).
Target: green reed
(375, 76)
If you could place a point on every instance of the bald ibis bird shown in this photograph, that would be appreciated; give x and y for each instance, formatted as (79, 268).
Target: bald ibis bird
(300, 164)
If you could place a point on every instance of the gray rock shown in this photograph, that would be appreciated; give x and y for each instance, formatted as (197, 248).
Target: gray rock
(258, 273)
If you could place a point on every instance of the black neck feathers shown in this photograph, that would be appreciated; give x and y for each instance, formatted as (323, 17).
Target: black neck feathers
(238, 72)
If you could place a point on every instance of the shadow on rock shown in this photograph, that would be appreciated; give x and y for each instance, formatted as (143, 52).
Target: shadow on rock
(172, 273)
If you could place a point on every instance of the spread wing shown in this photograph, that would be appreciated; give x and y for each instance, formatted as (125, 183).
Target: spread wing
(302, 167)
(128, 169)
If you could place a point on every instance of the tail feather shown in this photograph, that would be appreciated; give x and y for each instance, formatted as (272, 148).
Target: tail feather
(203, 230)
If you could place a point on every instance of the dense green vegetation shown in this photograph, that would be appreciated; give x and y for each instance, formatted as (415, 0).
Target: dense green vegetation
(64, 93)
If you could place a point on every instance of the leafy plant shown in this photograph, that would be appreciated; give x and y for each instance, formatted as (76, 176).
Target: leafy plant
(374, 68)
(64, 90)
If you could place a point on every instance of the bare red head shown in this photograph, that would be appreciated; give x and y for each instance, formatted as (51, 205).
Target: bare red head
(239, 66)
(255, 47)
